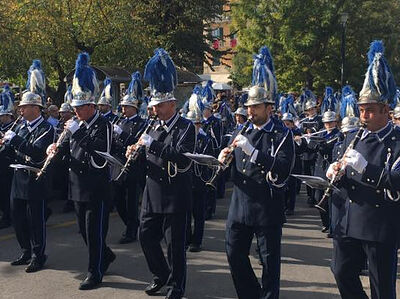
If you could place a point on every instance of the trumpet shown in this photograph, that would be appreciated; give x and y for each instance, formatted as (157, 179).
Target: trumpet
(322, 205)
(228, 158)
(50, 157)
(135, 154)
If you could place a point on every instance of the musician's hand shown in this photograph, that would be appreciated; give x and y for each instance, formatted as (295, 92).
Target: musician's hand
(222, 155)
(8, 135)
(355, 160)
(145, 140)
(244, 143)
(117, 129)
(130, 149)
(333, 170)
(72, 126)
(51, 149)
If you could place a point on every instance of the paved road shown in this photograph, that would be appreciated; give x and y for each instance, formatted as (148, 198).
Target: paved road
(306, 256)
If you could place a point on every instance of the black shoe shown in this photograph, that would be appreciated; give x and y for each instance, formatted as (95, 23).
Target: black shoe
(154, 287)
(108, 260)
(89, 284)
(22, 260)
(209, 216)
(4, 223)
(126, 239)
(325, 229)
(194, 248)
(36, 265)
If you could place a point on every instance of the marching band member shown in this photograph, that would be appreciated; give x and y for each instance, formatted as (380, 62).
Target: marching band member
(88, 173)
(167, 193)
(263, 158)
(104, 104)
(27, 145)
(127, 132)
(367, 223)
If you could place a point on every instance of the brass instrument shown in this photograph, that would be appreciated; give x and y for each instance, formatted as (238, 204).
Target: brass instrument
(135, 154)
(322, 205)
(228, 158)
(50, 157)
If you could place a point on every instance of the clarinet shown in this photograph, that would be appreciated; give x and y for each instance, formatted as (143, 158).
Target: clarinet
(322, 205)
(228, 158)
(50, 157)
(135, 154)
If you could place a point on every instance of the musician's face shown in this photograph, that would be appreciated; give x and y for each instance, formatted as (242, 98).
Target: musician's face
(165, 110)
(29, 112)
(259, 113)
(64, 116)
(288, 124)
(375, 116)
(207, 113)
(396, 121)
(240, 119)
(104, 108)
(311, 112)
(330, 125)
(85, 112)
(129, 111)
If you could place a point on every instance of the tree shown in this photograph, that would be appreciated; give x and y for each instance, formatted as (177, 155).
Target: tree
(114, 32)
(305, 36)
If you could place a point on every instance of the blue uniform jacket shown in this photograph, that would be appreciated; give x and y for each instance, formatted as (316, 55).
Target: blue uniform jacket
(169, 177)
(370, 211)
(258, 194)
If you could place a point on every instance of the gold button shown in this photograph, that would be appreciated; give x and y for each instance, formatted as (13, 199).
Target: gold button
(377, 206)
(378, 191)
(244, 182)
(368, 179)
(163, 168)
(350, 201)
(244, 160)
(353, 187)
(352, 173)
(262, 171)
(160, 179)
(244, 170)
(372, 181)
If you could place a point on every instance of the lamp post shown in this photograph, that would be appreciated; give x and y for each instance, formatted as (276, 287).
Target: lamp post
(343, 19)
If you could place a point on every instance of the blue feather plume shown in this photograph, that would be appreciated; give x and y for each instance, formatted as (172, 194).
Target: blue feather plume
(160, 72)
(7, 98)
(329, 102)
(135, 86)
(379, 78)
(349, 106)
(36, 82)
(263, 72)
(208, 93)
(107, 91)
(84, 77)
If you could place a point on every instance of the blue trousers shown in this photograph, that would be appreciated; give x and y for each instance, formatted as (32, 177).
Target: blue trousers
(238, 242)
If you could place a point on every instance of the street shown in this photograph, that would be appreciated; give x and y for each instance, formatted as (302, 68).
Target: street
(306, 254)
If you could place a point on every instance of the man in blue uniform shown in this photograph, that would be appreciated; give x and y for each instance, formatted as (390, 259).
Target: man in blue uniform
(263, 159)
(367, 223)
(311, 124)
(167, 193)
(27, 145)
(126, 192)
(89, 176)
(201, 174)
(104, 104)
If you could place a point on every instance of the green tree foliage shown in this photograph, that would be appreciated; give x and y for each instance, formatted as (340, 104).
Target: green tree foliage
(114, 32)
(305, 38)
